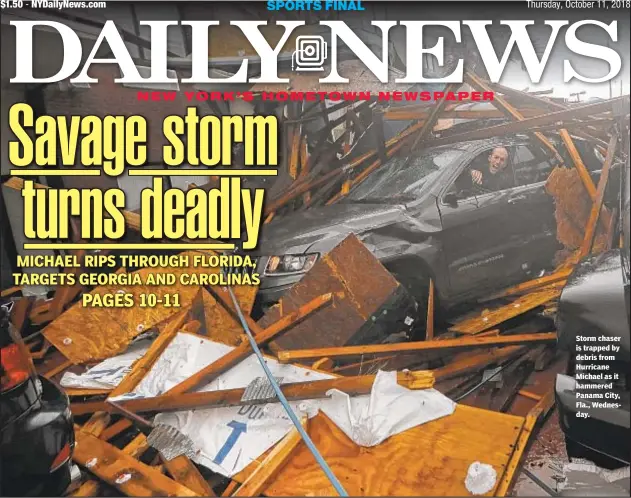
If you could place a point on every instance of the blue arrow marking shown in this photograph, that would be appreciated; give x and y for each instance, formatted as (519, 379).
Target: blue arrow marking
(237, 429)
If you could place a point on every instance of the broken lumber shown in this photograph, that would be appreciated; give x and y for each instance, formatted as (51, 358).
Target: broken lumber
(122, 471)
(539, 411)
(508, 110)
(530, 285)
(519, 306)
(429, 329)
(244, 350)
(558, 118)
(135, 449)
(590, 229)
(415, 347)
(434, 114)
(186, 473)
(295, 391)
(256, 483)
(466, 362)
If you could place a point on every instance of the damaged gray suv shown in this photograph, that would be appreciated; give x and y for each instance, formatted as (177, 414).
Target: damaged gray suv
(424, 217)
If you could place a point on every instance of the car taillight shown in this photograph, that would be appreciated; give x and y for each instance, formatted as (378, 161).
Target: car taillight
(61, 458)
(15, 367)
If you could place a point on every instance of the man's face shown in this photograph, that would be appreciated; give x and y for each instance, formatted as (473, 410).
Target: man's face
(498, 160)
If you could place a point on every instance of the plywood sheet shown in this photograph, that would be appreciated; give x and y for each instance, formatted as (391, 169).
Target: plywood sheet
(219, 324)
(92, 334)
(361, 285)
(428, 460)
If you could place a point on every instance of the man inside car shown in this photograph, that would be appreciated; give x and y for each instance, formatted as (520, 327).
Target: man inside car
(494, 175)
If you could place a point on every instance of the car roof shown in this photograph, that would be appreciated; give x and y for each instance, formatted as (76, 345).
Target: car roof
(487, 142)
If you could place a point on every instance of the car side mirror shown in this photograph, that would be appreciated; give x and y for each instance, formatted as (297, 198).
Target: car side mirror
(451, 199)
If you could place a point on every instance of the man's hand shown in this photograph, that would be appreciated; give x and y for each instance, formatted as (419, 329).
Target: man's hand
(476, 176)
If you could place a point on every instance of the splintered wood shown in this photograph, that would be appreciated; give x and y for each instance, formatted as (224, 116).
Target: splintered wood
(489, 319)
(573, 207)
(122, 471)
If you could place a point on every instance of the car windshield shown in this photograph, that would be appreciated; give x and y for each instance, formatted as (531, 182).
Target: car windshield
(402, 177)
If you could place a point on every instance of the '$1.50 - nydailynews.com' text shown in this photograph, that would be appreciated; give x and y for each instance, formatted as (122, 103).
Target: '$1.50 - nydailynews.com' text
(51, 4)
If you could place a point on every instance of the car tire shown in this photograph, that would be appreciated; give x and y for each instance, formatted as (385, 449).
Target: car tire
(576, 450)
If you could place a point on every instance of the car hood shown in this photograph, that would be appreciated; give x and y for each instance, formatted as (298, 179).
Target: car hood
(594, 303)
(296, 233)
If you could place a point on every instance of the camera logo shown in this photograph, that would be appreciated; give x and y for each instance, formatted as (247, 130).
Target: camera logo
(310, 53)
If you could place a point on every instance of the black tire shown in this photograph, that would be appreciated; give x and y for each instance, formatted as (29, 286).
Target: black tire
(575, 450)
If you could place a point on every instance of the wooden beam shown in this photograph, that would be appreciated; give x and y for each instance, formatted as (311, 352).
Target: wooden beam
(244, 350)
(10, 291)
(186, 473)
(295, 135)
(269, 468)
(429, 329)
(530, 285)
(583, 172)
(403, 114)
(298, 355)
(611, 229)
(74, 392)
(294, 391)
(592, 223)
(529, 395)
(540, 410)
(134, 449)
(58, 369)
(434, 114)
(230, 488)
(97, 424)
(499, 315)
(467, 362)
(143, 365)
(558, 117)
(509, 110)
(122, 471)
(114, 430)
(138, 371)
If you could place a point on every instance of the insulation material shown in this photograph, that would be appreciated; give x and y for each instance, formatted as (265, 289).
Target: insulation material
(481, 478)
(390, 409)
(231, 438)
(573, 206)
(109, 373)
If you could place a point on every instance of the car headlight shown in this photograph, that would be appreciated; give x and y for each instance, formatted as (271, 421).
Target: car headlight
(279, 265)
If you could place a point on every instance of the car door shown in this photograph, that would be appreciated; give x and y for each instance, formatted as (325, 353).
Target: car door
(533, 209)
(477, 235)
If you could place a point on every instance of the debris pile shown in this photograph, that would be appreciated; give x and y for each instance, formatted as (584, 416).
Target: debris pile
(173, 401)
